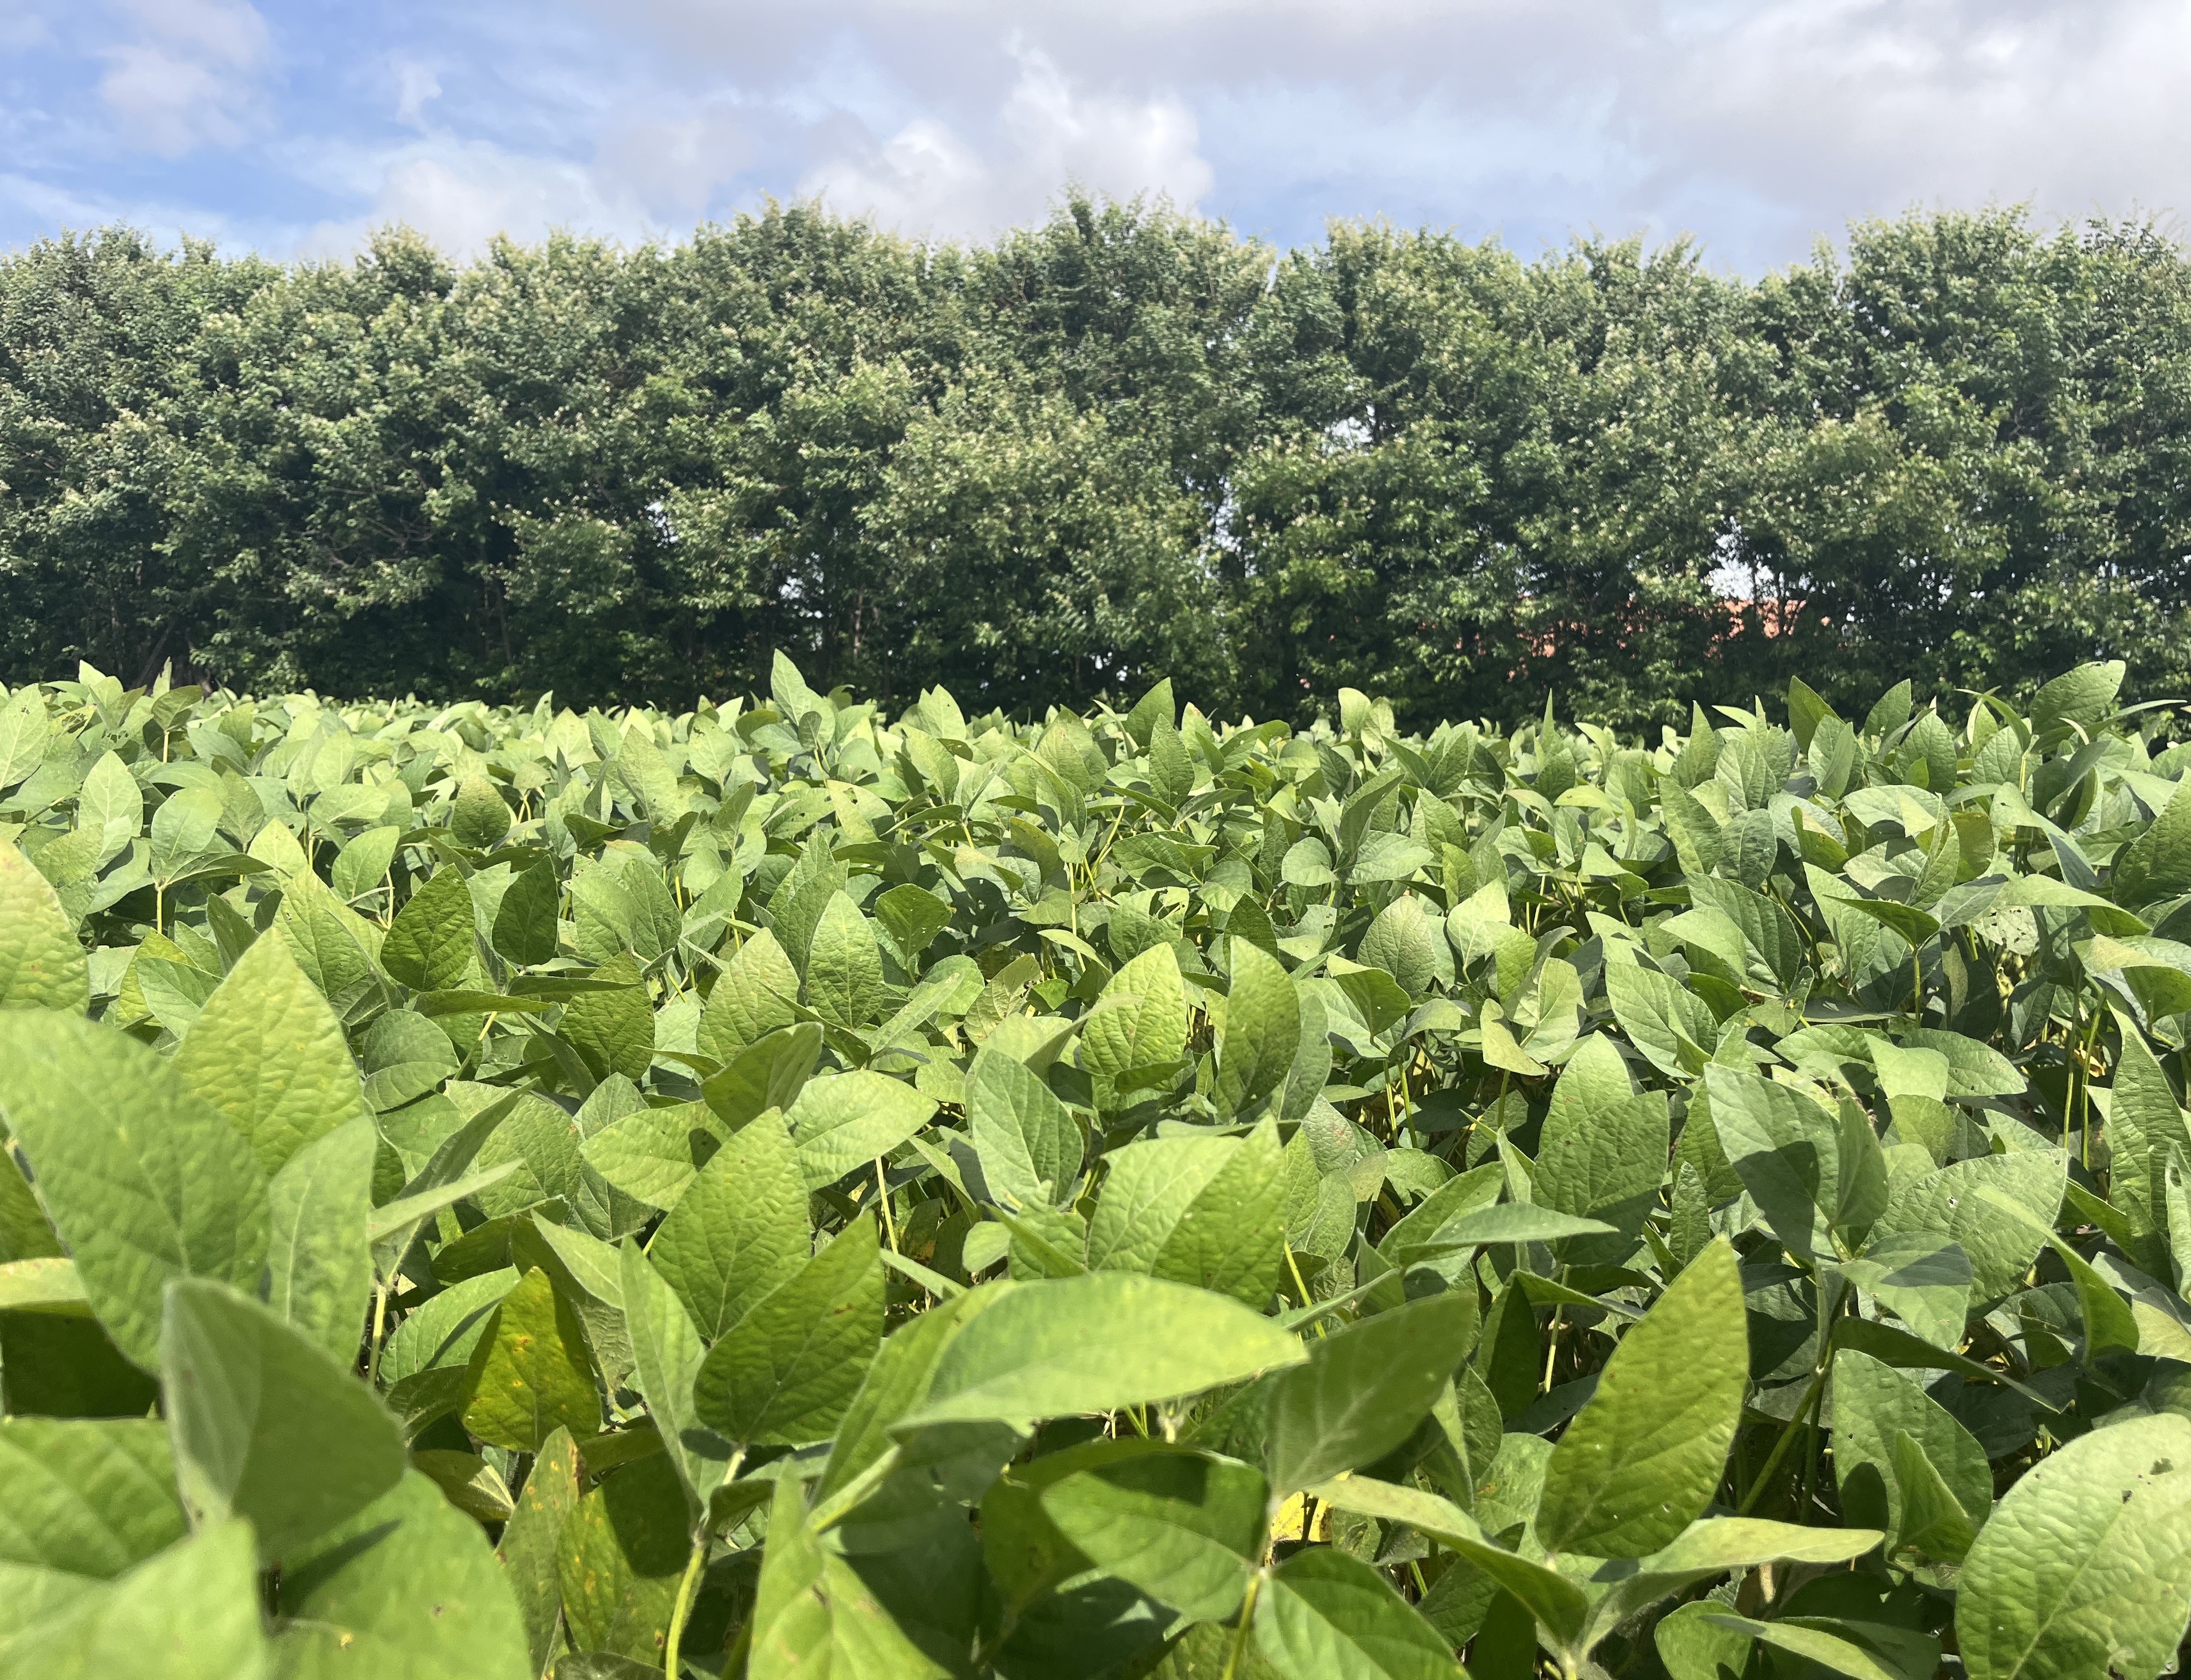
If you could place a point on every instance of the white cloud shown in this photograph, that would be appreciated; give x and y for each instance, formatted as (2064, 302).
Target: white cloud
(189, 79)
(929, 179)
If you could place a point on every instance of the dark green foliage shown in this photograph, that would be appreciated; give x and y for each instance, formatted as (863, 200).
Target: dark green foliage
(1122, 445)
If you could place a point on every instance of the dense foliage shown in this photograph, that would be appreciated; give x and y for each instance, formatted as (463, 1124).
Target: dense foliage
(777, 1190)
(1124, 445)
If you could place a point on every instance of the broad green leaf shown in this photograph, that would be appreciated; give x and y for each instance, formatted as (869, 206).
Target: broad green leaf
(844, 966)
(530, 1372)
(619, 1560)
(1786, 1148)
(110, 808)
(1323, 1615)
(612, 1030)
(649, 1155)
(739, 1230)
(41, 964)
(1029, 1148)
(1812, 1645)
(92, 1497)
(144, 1182)
(2086, 1566)
(409, 1587)
(268, 1053)
(1140, 1020)
(756, 993)
(814, 1614)
(1184, 1527)
(530, 1539)
(433, 943)
(1262, 1030)
(786, 1371)
(1874, 1406)
(250, 1404)
(1642, 1458)
(667, 1353)
(319, 1256)
(1953, 1204)
(1363, 1390)
(1604, 1162)
(1231, 1237)
(1924, 1280)
(1672, 1026)
(525, 930)
(191, 1612)
(767, 1074)
(1097, 1343)
(843, 1121)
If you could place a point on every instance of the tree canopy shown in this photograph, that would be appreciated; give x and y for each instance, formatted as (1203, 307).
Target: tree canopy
(1122, 445)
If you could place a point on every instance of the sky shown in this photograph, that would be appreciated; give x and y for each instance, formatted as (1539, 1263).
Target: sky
(293, 126)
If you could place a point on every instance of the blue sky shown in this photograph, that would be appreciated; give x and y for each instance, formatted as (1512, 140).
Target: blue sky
(291, 126)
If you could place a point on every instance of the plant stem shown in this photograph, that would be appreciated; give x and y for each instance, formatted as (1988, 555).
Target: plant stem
(882, 1196)
(1780, 1447)
(379, 1325)
(685, 1590)
(1240, 1632)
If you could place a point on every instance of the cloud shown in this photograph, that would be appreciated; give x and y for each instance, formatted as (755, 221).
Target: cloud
(187, 79)
(929, 179)
(1760, 124)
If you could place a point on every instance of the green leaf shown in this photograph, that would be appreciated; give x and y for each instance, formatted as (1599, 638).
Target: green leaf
(1262, 1030)
(619, 1560)
(268, 1053)
(756, 993)
(767, 1074)
(529, 1542)
(191, 1612)
(1323, 1615)
(612, 1031)
(844, 966)
(1673, 1027)
(1603, 1161)
(786, 1370)
(144, 1182)
(739, 1231)
(1812, 1645)
(525, 930)
(1560, 1605)
(90, 1496)
(1028, 1145)
(2086, 1566)
(667, 1353)
(251, 1404)
(1874, 1406)
(1644, 1455)
(433, 943)
(1924, 1280)
(480, 817)
(42, 963)
(1139, 1021)
(1363, 1390)
(1231, 1238)
(913, 916)
(814, 1614)
(1184, 1527)
(531, 1373)
(1786, 1148)
(110, 807)
(843, 1121)
(1953, 1203)
(1096, 1343)
(409, 1587)
(319, 1259)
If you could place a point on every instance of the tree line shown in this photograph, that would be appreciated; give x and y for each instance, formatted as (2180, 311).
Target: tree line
(1127, 443)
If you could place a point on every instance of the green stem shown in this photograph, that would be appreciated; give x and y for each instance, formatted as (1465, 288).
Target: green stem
(686, 1589)
(1240, 1632)
(1787, 1439)
(379, 1325)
